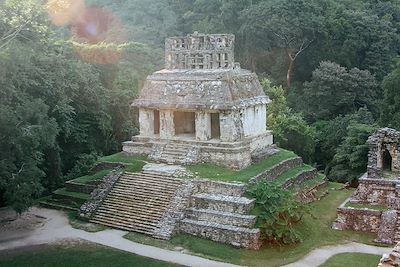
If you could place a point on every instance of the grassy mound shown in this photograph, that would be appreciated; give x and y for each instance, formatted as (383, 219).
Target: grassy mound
(133, 164)
(213, 172)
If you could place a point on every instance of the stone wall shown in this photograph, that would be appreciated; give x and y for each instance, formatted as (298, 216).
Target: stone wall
(236, 236)
(169, 223)
(375, 191)
(387, 229)
(392, 259)
(277, 170)
(362, 220)
(98, 195)
(300, 178)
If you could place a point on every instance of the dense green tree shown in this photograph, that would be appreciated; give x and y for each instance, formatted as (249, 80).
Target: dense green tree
(350, 160)
(331, 134)
(334, 90)
(290, 129)
(390, 115)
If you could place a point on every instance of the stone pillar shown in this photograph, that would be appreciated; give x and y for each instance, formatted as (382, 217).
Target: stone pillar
(203, 126)
(231, 126)
(261, 113)
(146, 122)
(167, 127)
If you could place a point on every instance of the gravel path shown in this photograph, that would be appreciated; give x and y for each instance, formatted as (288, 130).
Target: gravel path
(320, 255)
(53, 226)
(56, 228)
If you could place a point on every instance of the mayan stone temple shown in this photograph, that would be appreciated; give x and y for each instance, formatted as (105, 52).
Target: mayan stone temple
(202, 107)
(375, 205)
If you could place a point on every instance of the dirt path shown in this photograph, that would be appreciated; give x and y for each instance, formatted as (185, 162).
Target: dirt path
(320, 255)
(53, 226)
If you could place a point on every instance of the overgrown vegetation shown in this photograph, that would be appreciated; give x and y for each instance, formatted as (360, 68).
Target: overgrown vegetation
(331, 67)
(277, 212)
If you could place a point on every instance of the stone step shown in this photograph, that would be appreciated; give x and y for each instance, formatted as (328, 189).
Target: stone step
(122, 226)
(129, 221)
(150, 221)
(147, 184)
(222, 188)
(151, 176)
(158, 173)
(175, 152)
(145, 191)
(132, 200)
(226, 218)
(134, 209)
(139, 214)
(222, 203)
(236, 236)
(180, 147)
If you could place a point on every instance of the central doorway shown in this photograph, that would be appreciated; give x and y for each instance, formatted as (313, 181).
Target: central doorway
(215, 129)
(386, 160)
(184, 123)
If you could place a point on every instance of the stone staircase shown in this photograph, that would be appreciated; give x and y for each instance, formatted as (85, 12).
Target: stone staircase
(174, 153)
(137, 201)
(219, 212)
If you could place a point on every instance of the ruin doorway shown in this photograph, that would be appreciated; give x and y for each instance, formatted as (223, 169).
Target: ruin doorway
(386, 161)
(156, 122)
(184, 123)
(215, 127)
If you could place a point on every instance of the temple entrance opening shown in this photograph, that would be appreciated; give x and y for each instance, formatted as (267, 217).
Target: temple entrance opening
(386, 161)
(184, 123)
(215, 129)
(156, 122)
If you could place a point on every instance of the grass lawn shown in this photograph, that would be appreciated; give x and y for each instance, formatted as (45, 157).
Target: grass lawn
(77, 223)
(68, 194)
(353, 260)
(290, 174)
(213, 172)
(87, 255)
(94, 177)
(134, 164)
(316, 231)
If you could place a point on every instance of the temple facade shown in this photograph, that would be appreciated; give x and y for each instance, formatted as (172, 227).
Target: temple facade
(202, 108)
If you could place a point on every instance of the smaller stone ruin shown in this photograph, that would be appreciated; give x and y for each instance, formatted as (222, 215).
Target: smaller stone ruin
(391, 260)
(375, 205)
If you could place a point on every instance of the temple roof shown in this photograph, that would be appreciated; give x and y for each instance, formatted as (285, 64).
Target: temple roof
(215, 89)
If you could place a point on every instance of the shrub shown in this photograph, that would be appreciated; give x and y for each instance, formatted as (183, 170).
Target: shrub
(278, 213)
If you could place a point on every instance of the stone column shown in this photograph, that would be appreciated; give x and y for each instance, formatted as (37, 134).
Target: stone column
(146, 122)
(167, 127)
(203, 126)
(231, 126)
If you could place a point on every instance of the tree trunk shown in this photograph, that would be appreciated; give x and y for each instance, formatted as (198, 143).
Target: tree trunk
(289, 74)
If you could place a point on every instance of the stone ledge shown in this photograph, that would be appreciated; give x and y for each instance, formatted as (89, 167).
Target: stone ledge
(227, 218)
(363, 220)
(277, 170)
(236, 236)
(225, 188)
(222, 203)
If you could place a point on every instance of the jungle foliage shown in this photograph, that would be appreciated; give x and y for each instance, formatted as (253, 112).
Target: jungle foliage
(330, 65)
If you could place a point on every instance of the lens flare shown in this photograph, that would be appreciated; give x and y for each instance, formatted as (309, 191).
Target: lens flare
(65, 12)
(98, 36)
